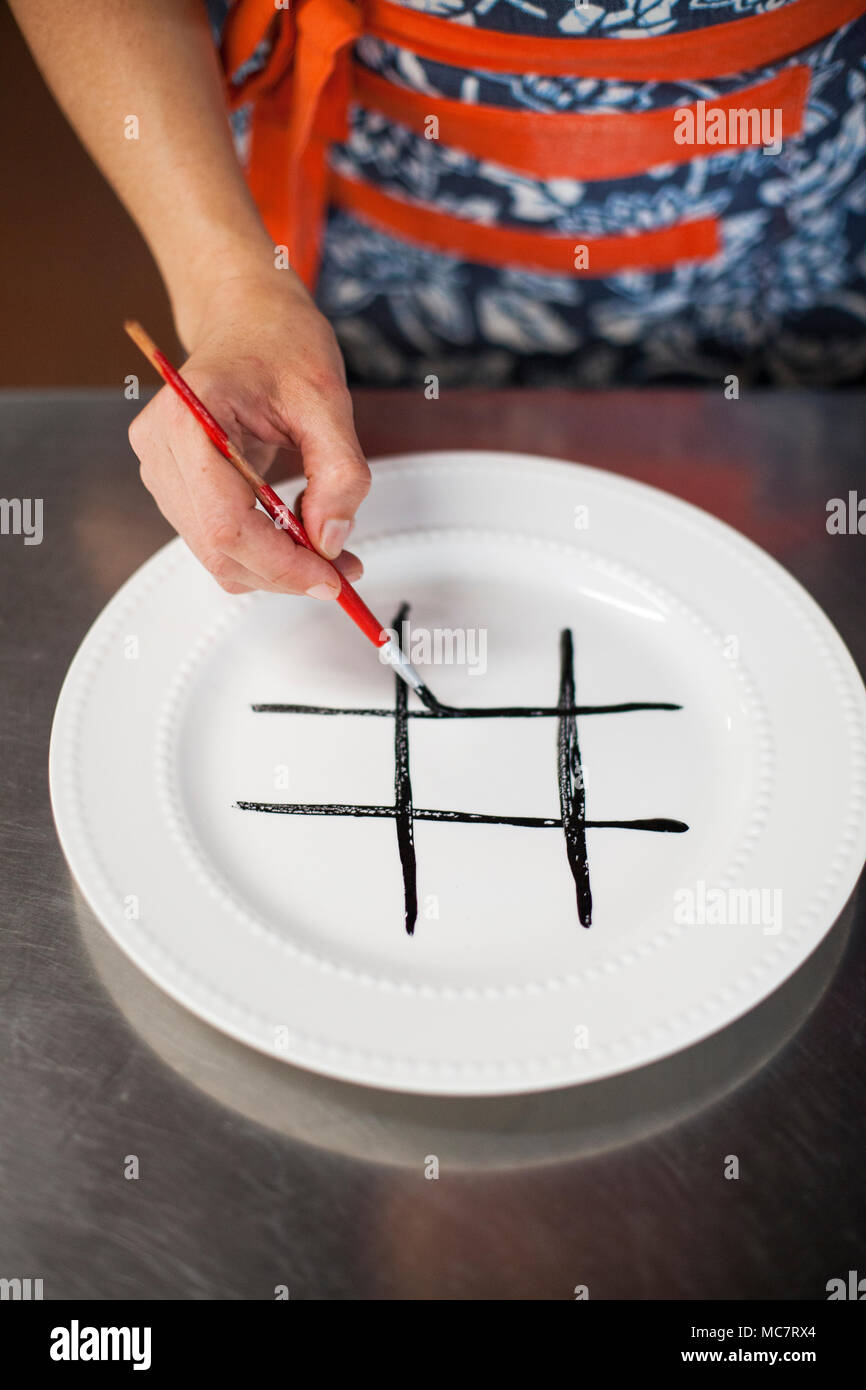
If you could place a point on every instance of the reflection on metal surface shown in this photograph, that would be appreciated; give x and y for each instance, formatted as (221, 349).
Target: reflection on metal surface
(391, 1128)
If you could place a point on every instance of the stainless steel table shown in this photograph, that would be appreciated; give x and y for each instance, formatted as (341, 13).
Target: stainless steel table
(253, 1174)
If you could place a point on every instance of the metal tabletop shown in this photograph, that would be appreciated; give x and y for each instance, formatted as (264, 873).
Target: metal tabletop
(253, 1174)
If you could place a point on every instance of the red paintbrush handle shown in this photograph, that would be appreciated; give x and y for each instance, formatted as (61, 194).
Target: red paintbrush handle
(350, 601)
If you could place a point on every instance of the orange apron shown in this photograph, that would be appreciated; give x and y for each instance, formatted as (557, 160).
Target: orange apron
(300, 102)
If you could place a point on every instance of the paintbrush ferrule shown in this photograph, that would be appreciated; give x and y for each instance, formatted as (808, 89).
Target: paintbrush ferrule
(391, 653)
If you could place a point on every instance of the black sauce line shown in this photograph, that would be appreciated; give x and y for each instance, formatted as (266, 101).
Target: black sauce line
(403, 794)
(481, 712)
(657, 824)
(433, 706)
(572, 797)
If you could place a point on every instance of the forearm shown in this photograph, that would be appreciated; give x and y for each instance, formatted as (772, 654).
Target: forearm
(180, 180)
(261, 355)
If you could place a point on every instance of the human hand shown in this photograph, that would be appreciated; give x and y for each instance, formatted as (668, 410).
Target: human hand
(267, 365)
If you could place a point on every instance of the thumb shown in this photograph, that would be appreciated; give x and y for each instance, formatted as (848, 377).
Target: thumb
(338, 478)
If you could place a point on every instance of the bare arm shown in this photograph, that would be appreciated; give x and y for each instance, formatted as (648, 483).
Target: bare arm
(261, 355)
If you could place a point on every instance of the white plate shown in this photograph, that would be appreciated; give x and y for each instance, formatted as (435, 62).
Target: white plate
(287, 930)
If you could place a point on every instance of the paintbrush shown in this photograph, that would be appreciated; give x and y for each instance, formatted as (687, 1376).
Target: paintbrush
(350, 601)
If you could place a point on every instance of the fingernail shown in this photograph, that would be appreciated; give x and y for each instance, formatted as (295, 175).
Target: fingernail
(323, 591)
(334, 537)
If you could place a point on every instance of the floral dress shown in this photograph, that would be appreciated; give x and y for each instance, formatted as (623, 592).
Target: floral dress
(783, 302)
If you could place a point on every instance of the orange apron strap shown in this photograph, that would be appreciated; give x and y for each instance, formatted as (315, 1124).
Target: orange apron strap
(740, 45)
(268, 159)
(327, 30)
(276, 69)
(587, 146)
(248, 24)
(507, 246)
(300, 103)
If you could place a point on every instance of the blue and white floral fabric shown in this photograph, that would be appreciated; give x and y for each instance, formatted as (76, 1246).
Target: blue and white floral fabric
(784, 302)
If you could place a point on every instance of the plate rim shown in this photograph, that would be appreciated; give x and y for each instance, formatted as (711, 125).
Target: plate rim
(142, 579)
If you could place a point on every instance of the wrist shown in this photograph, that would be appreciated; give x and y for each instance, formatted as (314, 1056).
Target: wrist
(211, 280)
